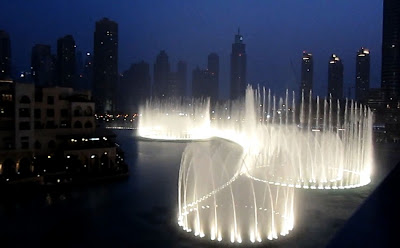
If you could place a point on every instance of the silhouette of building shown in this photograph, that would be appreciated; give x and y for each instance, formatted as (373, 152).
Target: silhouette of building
(5, 55)
(78, 70)
(87, 73)
(205, 82)
(213, 68)
(182, 78)
(134, 87)
(391, 50)
(105, 65)
(42, 65)
(66, 61)
(307, 70)
(362, 75)
(238, 68)
(335, 77)
(161, 75)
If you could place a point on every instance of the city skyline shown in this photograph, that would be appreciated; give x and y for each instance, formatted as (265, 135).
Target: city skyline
(273, 60)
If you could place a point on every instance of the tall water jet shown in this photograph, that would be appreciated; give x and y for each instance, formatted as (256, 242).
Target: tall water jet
(175, 119)
(246, 191)
(217, 199)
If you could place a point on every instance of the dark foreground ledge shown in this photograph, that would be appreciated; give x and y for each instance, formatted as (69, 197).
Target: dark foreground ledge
(376, 222)
(42, 183)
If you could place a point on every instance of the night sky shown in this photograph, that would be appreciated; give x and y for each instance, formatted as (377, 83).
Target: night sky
(275, 33)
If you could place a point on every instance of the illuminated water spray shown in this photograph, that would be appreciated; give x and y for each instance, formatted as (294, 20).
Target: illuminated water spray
(244, 190)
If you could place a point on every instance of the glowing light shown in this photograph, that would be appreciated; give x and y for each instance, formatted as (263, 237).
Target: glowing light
(272, 150)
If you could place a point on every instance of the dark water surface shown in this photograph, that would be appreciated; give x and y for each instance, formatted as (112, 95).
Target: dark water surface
(141, 211)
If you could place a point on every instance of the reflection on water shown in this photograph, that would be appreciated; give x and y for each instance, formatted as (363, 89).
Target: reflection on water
(141, 210)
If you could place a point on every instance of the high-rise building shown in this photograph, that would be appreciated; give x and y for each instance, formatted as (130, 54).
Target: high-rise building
(78, 69)
(213, 68)
(203, 83)
(391, 49)
(105, 65)
(362, 75)
(87, 73)
(66, 61)
(161, 75)
(5, 55)
(182, 78)
(42, 65)
(307, 71)
(335, 77)
(134, 87)
(238, 68)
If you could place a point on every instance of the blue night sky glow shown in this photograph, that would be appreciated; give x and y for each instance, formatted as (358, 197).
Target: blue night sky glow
(275, 33)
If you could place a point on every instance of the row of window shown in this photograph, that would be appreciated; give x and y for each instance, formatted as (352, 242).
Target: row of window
(26, 125)
(63, 112)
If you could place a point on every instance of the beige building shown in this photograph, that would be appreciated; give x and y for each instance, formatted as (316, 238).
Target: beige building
(44, 130)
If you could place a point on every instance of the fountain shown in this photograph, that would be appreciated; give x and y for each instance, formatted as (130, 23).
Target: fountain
(244, 189)
(175, 119)
(218, 200)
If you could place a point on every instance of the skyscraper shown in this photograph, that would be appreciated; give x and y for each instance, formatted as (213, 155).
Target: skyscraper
(105, 65)
(135, 87)
(335, 77)
(307, 71)
(42, 65)
(5, 55)
(238, 67)
(66, 61)
(213, 68)
(362, 75)
(182, 78)
(203, 84)
(391, 49)
(87, 74)
(161, 75)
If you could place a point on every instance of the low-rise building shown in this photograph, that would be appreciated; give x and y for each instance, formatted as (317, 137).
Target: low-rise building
(52, 129)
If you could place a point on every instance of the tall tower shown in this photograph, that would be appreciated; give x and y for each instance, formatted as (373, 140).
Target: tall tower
(66, 61)
(391, 49)
(41, 65)
(105, 65)
(182, 77)
(135, 88)
(335, 77)
(161, 75)
(307, 71)
(87, 74)
(362, 74)
(5, 55)
(213, 68)
(238, 67)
